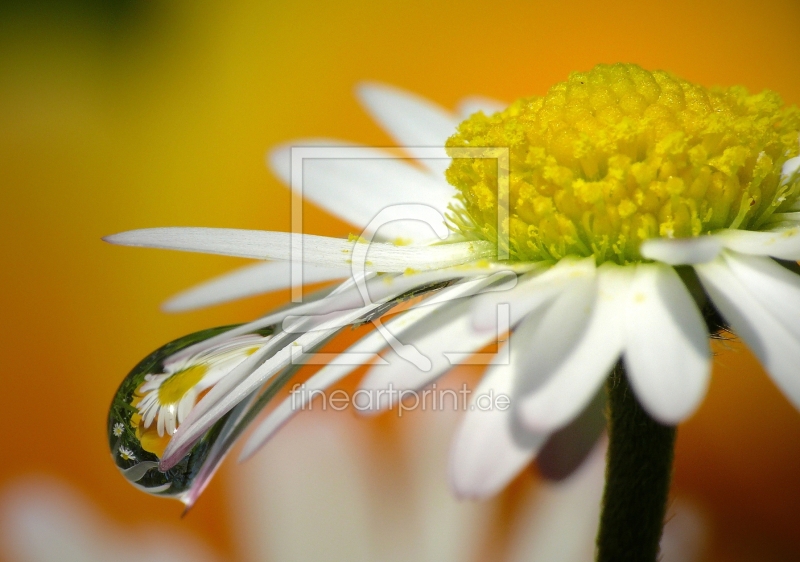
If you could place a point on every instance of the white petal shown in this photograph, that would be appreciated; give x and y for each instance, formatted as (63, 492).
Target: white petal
(776, 347)
(150, 414)
(542, 345)
(474, 104)
(224, 396)
(775, 287)
(783, 243)
(447, 529)
(244, 369)
(263, 364)
(490, 447)
(319, 250)
(213, 406)
(412, 121)
(356, 182)
(534, 290)
(226, 438)
(310, 498)
(567, 449)
(270, 320)
(185, 405)
(575, 381)
(384, 288)
(790, 167)
(334, 372)
(170, 421)
(247, 281)
(220, 359)
(559, 523)
(681, 251)
(447, 333)
(323, 379)
(667, 355)
(279, 159)
(789, 218)
(347, 296)
(489, 267)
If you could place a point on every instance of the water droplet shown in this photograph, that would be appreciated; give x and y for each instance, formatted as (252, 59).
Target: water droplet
(157, 395)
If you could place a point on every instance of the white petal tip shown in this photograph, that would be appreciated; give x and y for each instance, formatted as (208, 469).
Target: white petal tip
(537, 420)
(148, 237)
(473, 104)
(366, 89)
(173, 306)
(672, 416)
(375, 389)
(247, 452)
(278, 161)
(469, 481)
(782, 243)
(279, 158)
(157, 237)
(472, 491)
(118, 238)
(485, 457)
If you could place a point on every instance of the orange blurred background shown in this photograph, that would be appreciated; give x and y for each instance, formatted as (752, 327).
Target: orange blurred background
(114, 118)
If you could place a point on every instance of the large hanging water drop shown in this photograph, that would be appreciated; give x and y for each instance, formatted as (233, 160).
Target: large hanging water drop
(156, 397)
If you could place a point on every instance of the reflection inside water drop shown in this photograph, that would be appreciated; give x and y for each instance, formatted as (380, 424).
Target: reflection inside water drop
(157, 396)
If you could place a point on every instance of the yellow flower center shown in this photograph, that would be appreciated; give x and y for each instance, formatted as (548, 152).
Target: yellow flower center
(617, 155)
(172, 390)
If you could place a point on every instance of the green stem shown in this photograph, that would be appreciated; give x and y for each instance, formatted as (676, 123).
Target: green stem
(638, 472)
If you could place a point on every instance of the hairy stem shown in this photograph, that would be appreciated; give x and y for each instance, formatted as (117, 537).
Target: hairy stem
(638, 472)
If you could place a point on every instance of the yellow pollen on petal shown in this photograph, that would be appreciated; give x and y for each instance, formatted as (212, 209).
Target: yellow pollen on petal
(617, 155)
(356, 238)
(172, 390)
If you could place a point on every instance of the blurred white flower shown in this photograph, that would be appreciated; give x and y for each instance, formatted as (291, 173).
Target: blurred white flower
(325, 472)
(45, 520)
(330, 489)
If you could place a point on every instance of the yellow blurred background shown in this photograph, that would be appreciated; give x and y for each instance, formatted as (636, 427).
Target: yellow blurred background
(123, 115)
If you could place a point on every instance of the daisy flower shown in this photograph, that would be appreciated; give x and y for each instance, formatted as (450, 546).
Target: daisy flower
(118, 429)
(168, 397)
(633, 215)
(126, 454)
